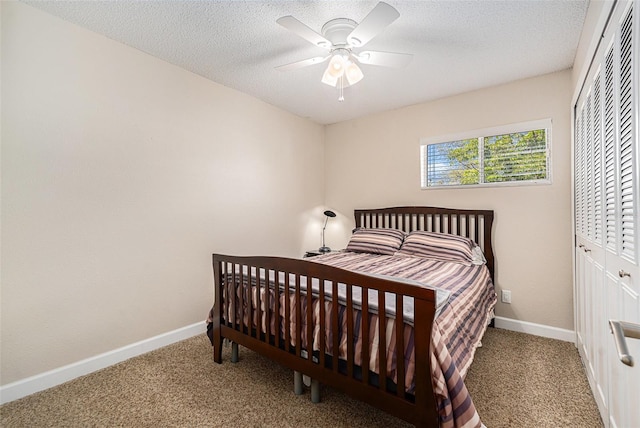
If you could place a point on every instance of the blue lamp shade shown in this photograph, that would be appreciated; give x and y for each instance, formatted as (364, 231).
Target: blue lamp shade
(324, 248)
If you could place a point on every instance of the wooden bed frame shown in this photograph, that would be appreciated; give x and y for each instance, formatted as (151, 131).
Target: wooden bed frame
(418, 408)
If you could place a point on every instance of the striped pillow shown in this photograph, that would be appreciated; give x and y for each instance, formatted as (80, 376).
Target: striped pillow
(376, 241)
(438, 246)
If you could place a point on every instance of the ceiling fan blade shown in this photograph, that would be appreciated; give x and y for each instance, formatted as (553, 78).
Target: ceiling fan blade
(303, 63)
(385, 59)
(377, 20)
(292, 24)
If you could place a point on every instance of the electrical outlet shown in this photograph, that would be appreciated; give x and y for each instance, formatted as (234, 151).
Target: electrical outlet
(506, 296)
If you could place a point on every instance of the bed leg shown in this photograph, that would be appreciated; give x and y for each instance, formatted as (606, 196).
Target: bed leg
(315, 391)
(297, 383)
(234, 352)
(217, 348)
(217, 353)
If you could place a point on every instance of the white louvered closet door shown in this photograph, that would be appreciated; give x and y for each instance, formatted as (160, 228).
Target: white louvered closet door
(607, 216)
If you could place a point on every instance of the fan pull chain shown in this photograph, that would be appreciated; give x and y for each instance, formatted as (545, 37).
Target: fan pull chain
(341, 89)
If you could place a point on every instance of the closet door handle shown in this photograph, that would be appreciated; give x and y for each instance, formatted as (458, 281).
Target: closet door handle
(620, 330)
(622, 274)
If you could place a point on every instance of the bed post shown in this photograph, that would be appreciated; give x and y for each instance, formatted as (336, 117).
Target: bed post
(426, 410)
(217, 304)
(488, 245)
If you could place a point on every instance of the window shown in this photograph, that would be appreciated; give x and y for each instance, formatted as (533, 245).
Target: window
(513, 154)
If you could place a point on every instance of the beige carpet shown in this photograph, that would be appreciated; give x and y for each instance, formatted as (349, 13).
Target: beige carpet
(516, 380)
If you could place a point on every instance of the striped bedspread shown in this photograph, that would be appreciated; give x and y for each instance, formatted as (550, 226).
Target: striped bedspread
(458, 329)
(457, 332)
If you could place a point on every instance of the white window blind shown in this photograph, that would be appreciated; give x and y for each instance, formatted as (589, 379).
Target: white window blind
(513, 154)
(451, 163)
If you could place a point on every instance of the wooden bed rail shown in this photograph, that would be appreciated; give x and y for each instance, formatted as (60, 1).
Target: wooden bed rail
(260, 318)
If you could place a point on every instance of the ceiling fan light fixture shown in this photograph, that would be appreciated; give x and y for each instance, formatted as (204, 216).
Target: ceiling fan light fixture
(336, 66)
(328, 79)
(353, 73)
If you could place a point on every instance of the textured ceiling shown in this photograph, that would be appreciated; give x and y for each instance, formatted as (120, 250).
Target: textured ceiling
(458, 46)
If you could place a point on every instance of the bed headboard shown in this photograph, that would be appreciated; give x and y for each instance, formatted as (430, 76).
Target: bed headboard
(473, 224)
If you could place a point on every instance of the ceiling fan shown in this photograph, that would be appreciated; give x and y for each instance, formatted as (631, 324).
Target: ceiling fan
(343, 38)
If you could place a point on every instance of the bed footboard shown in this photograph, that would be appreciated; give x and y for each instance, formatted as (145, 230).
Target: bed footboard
(324, 322)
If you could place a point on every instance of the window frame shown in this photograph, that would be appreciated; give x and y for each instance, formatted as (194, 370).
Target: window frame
(481, 134)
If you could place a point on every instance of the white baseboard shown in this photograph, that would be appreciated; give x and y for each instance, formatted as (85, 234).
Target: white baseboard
(536, 329)
(40, 382)
(33, 384)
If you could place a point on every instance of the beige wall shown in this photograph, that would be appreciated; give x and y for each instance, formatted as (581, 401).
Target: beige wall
(374, 162)
(121, 174)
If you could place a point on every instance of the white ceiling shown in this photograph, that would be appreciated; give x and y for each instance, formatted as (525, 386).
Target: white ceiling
(458, 46)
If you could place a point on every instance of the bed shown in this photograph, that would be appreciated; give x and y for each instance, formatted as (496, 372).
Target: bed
(431, 270)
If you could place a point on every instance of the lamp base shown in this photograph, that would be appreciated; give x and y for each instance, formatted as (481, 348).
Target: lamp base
(324, 250)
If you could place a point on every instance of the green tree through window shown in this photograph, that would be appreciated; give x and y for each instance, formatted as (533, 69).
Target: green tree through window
(453, 163)
(508, 157)
(520, 156)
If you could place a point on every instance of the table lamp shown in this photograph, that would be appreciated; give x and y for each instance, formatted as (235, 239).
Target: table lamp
(324, 248)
